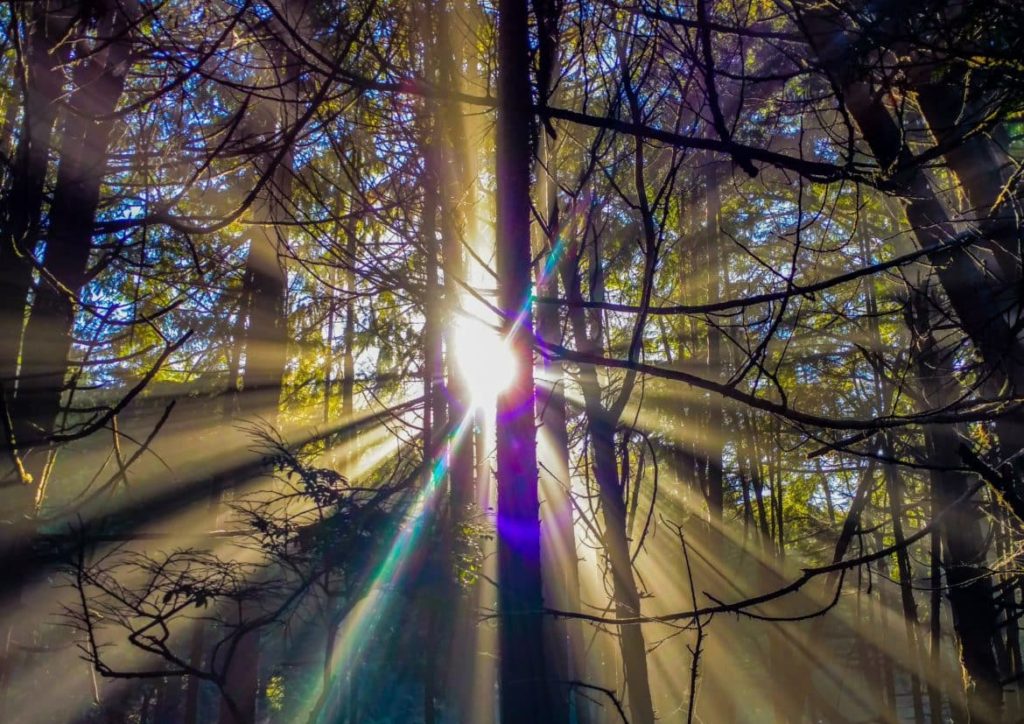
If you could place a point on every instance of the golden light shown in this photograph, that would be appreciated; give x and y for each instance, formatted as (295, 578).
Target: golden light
(483, 359)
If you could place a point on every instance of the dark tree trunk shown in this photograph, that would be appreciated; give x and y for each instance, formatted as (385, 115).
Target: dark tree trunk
(241, 679)
(559, 544)
(964, 543)
(601, 426)
(433, 433)
(894, 491)
(715, 432)
(266, 343)
(952, 110)
(716, 700)
(616, 544)
(955, 111)
(23, 201)
(979, 303)
(350, 441)
(525, 692)
(99, 83)
(167, 709)
(195, 658)
(266, 335)
(560, 536)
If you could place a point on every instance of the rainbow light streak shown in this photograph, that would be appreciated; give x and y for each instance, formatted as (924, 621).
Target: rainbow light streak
(550, 265)
(362, 621)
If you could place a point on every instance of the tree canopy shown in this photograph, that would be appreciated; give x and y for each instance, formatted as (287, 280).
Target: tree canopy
(552, 361)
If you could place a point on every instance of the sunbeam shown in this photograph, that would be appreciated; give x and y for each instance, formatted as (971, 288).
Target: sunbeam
(507, 362)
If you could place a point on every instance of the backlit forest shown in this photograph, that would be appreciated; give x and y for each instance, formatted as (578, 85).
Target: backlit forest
(548, 362)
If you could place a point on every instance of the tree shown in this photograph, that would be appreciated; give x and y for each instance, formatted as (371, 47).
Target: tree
(757, 266)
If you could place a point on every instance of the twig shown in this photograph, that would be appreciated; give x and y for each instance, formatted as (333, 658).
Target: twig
(607, 692)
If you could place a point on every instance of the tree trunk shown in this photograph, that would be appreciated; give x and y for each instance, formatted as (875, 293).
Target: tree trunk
(23, 202)
(980, 304)
(434, 404)
(894, 491)
(616, 544)
(349, 440)
(601, 426)
(559, 544)
(524, 694)
(935, 683)
(99, 83)
(716, 701)
(266, 348)
(963, 540)
(953, 112)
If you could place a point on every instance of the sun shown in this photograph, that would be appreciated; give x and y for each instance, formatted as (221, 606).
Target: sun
(484, 360)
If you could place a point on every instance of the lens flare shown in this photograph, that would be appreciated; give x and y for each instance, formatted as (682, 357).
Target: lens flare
(484, 360)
